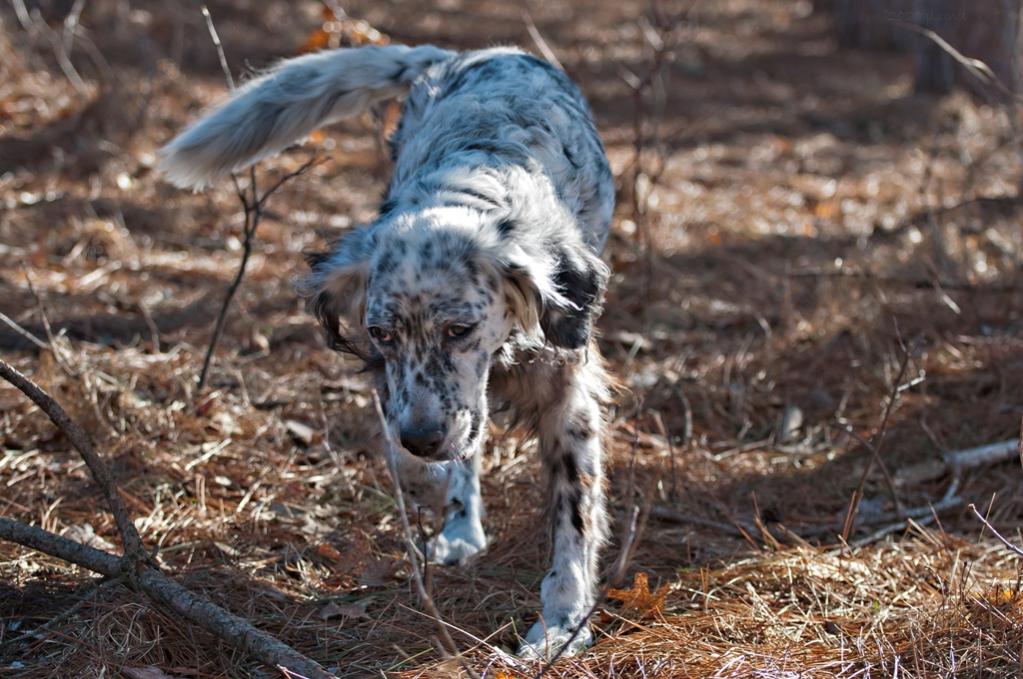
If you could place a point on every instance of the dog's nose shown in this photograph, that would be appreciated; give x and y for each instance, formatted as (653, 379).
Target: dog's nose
(422, 441)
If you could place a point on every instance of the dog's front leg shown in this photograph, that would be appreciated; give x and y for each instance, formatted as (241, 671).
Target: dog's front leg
(571, 447)
(453, 490)
(462, 535)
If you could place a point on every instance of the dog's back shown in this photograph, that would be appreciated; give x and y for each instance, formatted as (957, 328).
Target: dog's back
(504, 109)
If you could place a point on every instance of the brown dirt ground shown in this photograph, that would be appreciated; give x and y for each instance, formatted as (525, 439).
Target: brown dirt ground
(787, 161)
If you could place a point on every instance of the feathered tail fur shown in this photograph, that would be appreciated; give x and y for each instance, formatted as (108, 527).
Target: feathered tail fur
(287, 103)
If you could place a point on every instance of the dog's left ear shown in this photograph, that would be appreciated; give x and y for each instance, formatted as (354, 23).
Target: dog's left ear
(336, 288)
(561, 293)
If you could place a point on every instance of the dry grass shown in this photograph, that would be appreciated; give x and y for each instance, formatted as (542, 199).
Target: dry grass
(784, 157)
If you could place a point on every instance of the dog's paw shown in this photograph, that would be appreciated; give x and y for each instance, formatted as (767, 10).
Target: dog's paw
(455, 544)
(543, 642)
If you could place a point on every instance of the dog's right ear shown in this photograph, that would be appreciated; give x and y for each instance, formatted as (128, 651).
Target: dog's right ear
(336, 288)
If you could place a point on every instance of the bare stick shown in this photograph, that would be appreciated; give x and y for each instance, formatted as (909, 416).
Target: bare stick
(893, 397)
(675, 516)
(58, 355)
(892, 528)
(960, 459)
(140, 570)
(13, 325)
(399, 499)
(539, 41)
(219, 46)
(1016, 550)
(918, 283)
(252, 208)
(663, 431)
(80, 440)
(197, 609)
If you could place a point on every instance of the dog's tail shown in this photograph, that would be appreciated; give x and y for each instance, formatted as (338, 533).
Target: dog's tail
(287, 103)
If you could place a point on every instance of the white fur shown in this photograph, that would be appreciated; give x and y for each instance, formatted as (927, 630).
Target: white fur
(275, 110)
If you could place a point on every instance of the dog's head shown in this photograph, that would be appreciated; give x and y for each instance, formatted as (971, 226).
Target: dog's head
(427, 299)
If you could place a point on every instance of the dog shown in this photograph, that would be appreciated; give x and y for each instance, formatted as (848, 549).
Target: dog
(476, 288)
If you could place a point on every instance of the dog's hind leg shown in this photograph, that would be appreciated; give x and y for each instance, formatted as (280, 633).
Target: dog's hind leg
(452, 489)
(570, 443)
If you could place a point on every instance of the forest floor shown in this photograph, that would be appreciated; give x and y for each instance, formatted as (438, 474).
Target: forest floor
(819, 246)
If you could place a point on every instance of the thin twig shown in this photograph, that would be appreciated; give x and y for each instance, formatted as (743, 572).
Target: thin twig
(38, 632)
(58, 356)
(975, 67)
(955, 460)
(219, 46)
(10, 322)
(539, 41)
(663, 431)
(893, 397)
(399, 499)
(620, 565)
(252, 208)
(1016, 550)
(252, 204)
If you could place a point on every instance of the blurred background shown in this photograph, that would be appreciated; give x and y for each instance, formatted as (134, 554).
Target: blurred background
(816, 309)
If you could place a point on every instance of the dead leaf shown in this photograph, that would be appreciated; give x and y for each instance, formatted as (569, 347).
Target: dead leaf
(344, 610)
(328, 552)
(149, 672)
(640, 599)
(378, 572)
(86, 535)
(827, 209)
(301, 432)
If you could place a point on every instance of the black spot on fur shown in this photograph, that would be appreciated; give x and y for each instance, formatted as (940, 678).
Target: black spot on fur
(577, 515)
(571, 469)
(580, 429)
(582, 282)
(316, 260)
(474, 425)
(505, 227)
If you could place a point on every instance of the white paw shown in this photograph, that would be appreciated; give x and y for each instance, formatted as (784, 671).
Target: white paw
(456, 543)
(543, 642)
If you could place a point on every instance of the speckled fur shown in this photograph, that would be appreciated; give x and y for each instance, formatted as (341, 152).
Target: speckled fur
(476, 286)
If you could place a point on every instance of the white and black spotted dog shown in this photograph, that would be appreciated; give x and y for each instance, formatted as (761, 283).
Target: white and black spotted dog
(476, 287)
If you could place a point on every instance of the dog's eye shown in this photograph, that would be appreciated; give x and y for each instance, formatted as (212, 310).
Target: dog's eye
(381, 335)
(458, 330)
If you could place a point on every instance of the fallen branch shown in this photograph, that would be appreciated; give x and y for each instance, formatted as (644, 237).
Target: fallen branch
(140, 570)
(865, 521)
(80, 440)
(675, 516)
(189, 605)
(990, 453)
(918, 283)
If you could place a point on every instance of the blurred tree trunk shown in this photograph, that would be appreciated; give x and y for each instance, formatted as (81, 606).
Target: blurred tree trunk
(872, 24)
(987, 30)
